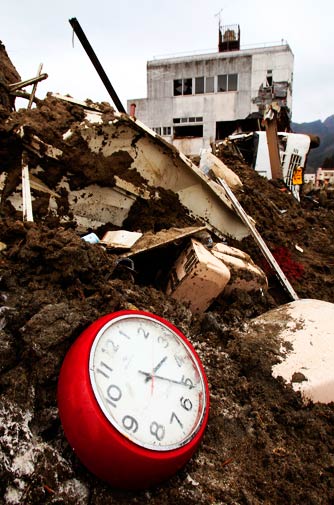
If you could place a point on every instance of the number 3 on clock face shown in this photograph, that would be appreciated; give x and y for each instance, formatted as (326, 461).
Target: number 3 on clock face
(147, 381)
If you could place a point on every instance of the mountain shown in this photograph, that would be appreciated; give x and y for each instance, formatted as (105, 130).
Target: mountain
(325, 131)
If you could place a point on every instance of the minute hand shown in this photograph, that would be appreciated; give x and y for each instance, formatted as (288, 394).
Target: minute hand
(150, 376)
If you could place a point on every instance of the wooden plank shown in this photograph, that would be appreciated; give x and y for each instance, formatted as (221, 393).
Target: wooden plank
(272, 141)
(33, 92)
(26, 193)
(151, 240)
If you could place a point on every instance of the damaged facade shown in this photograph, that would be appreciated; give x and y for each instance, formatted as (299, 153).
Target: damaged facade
(197, 99)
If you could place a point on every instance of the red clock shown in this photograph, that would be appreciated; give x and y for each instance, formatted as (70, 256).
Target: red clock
(133, 399)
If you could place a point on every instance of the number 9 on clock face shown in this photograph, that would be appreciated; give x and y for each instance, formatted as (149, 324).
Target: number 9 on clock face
(147, 381)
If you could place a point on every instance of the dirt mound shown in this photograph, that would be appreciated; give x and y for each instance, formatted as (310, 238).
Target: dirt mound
(262, 444)
(298, 234)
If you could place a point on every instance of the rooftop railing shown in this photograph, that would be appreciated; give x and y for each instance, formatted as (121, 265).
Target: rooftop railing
(196, 52)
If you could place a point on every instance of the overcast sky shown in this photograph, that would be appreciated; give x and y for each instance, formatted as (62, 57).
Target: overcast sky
(125, 34)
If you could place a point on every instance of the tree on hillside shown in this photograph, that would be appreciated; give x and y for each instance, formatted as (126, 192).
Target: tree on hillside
(328, 162)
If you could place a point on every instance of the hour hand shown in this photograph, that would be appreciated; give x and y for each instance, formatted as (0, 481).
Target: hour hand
(155, 369)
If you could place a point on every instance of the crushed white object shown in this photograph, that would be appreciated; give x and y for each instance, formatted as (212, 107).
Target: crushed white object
(198, 277)
(209, 161)
(121, 238)
(245, 274)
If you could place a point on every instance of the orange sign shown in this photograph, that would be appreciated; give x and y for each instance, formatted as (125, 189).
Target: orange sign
(297, 177)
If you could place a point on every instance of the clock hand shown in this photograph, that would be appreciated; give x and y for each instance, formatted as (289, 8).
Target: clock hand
(156, 368)
(151, 376)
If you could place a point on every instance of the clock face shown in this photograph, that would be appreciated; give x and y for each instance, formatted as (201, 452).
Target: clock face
(147, 382)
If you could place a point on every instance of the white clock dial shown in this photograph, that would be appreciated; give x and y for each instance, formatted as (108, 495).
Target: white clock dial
(147, 382)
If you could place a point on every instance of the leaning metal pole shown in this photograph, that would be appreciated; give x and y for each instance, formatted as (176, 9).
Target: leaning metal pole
(259, 240)
(98, 67)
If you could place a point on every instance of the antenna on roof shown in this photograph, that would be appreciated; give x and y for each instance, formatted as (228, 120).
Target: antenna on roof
(220, 36)
(219, 18)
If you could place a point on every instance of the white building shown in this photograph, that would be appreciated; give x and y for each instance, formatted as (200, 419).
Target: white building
(324, 177)
(196, 99)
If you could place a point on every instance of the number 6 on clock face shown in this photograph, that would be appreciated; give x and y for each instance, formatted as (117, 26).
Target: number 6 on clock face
(147, 382)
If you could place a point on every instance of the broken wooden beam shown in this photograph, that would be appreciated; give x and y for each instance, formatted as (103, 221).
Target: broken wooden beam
(33, 91)
(28, 82)
(270, 119)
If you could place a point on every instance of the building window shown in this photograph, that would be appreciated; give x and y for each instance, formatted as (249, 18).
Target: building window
(157, 130)
(269, 78)
(204, 85)
(187, 86)
(222, 83)
(183, 86)
(166, 130)
(177, 87)
(199, 85)
(192, 119)
(188, 131)
(227, 82)
(209, 85)
(232, 82)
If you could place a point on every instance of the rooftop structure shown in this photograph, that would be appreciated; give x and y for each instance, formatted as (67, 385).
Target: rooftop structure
(196, 99)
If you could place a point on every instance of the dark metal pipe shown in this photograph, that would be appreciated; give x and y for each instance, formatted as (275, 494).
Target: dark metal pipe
(98, 67)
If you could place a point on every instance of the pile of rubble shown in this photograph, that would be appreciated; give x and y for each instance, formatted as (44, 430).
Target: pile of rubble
(114, 218)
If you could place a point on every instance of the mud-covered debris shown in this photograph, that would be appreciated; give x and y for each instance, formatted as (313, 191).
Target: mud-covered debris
(262, 444)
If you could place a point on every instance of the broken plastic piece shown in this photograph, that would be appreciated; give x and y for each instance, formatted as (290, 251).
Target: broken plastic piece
(209, 162)
(245, 275)
(198, 277)
(92, 238)
(121, 239)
